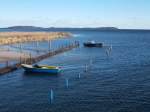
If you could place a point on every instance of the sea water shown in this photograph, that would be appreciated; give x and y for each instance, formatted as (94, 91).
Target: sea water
(119, 82)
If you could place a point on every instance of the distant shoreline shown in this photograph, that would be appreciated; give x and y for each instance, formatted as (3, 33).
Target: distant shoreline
(62, 29)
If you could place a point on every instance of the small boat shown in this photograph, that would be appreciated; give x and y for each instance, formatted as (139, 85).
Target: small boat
(93, 44)
(41, 69)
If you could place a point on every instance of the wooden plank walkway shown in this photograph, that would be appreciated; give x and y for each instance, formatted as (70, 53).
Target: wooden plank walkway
(33, 60)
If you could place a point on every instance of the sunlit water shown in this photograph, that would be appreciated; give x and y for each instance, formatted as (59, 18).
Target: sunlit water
(119, 83)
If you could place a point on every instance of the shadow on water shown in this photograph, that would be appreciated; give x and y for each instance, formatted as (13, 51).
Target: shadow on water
(31, 74)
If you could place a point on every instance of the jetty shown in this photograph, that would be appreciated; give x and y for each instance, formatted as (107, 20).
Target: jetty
(12, 38)
(32, 60)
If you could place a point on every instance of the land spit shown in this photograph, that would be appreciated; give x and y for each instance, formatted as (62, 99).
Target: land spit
(21, 37)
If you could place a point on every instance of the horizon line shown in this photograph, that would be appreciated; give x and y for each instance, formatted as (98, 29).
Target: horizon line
(92, 27)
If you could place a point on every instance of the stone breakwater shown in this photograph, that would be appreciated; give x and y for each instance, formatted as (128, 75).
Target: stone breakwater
(21, 37)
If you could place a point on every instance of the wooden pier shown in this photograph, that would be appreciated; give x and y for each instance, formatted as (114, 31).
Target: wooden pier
(36, 59)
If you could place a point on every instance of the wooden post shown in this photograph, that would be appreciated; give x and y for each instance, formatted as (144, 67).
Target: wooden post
(37, 44)
(79, 75)
(49, 45)
(107, 52)
(67, 83)
(86, 68)
(20, 60)
(30, 58)
(24, 60)
(51, 96)
(7, 63)
(110, 48)
(20, 47)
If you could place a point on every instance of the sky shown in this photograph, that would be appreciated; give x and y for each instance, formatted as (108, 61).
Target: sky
(130, 14)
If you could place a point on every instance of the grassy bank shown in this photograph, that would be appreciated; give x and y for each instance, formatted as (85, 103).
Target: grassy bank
(21, 37)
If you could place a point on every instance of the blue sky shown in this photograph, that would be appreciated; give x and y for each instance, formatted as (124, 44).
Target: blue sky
(76, 13)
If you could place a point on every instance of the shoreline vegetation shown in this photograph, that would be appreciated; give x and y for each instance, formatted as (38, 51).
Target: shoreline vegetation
(7, 38)
(21, 37)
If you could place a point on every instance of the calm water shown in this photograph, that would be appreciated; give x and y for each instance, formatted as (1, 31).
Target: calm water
(119, 83)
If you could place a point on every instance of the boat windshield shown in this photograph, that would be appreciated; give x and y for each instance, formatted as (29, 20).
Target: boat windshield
(37, 66)
(93, 42)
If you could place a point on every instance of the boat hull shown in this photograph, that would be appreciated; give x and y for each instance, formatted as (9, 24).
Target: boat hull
(93, 45)
(41, 70)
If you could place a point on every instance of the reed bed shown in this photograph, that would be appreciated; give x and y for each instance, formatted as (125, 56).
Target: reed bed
(21, 37)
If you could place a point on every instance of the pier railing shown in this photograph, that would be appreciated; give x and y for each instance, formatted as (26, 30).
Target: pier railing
(34, 59)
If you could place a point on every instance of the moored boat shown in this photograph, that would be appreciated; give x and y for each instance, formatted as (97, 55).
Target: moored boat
(93, 44)
(41, 69)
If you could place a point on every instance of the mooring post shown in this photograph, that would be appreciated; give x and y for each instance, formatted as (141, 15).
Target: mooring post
(79, 75)
(86, 68)
(37, 44)
(51, 96)
(24, 60)
(20, 47)
(49, 45)
(67, 82)
(20, 59)
(110, 48)
(7, 63)
(107, 52)
(30, 58)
